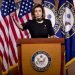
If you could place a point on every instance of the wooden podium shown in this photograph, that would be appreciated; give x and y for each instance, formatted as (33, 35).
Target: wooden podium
(53, 46)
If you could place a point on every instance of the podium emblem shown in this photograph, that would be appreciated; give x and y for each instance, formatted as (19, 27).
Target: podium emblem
(41, 61)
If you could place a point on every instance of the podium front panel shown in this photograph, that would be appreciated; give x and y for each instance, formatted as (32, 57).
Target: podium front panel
(53, 49)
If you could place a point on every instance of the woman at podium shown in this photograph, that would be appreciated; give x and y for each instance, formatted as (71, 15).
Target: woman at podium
(39, 27)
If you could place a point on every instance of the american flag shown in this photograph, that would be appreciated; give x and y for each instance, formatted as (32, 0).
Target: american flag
(25, 13)
(4, 37)
(14, 34)
(9, 32)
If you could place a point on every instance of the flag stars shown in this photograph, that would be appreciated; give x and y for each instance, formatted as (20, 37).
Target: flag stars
(22, 6)
(5, 14)
(29, 6)
(26, 4)
(25, 7)
(28, 9)
(14, 7)
(12, 2)
(20, 14)
(30, 2)
(21, 10)
(11, 6)
(6, 2)
(24, 11)
(5, 10)
(6, 6)
(23, 2)
(10, 9)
